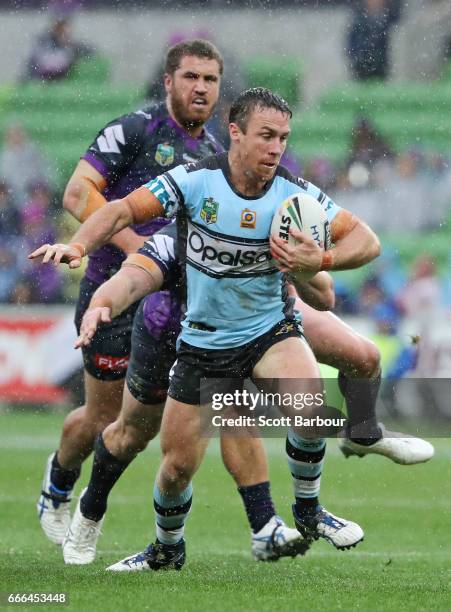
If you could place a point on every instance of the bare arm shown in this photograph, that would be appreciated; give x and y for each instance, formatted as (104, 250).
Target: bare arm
(355, 245)
(84, 195)
(138, 276)
(318, 292)
(127, 286)
(137, 207)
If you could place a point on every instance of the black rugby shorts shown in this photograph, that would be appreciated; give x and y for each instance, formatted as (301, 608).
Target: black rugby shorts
(107, 357)
(150, 362)
(228, 368)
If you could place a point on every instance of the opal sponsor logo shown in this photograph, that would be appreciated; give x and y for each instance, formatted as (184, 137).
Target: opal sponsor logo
(227, 257)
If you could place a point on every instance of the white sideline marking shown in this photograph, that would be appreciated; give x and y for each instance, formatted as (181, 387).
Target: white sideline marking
(30, 442)
(126, 500)
(274, 446)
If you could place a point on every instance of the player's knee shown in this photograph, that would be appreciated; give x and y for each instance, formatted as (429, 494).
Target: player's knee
(143, 422)
(370, 359)
(364, 361)
(74, 422)
(133, 440)
(102, 413)
(177, 470)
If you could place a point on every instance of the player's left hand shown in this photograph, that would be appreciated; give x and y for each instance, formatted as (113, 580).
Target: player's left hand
(70, 254)
(92, 318)
(303, 259)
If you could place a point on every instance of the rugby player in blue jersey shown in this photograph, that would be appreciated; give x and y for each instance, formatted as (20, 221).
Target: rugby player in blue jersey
(238, 321)
(156, 263)
(311, 519)
(126, 153)
(154, 266)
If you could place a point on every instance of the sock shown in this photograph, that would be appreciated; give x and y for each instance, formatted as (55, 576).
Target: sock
(305, 460)
(258, 504)
(361, 395)
(171, 513)
(62, 480)
(106, 470)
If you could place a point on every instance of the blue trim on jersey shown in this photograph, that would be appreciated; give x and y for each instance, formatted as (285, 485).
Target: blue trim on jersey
(228, 238)
(156, 187)
(233, 286)
(175, 187)
(230, 274)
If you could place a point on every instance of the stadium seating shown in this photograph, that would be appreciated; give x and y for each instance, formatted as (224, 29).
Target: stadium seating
(64, 117)
(69, 96)
(96, 70)
(408, 115)
(281, 75)
(317, 134)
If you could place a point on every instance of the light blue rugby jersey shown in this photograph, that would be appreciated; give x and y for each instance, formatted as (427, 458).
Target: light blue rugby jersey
(234, 291)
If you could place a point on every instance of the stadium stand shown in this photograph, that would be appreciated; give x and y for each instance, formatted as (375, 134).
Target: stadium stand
(63, 116)
(407, 114)
(284, 76)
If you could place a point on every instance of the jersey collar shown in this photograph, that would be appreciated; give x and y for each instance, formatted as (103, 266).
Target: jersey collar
(223, 160)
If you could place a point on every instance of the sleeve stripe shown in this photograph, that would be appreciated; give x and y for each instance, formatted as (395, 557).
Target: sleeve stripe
(342, 224)
(143, 262)
(143, 205)
(96, 163)
(175, 188)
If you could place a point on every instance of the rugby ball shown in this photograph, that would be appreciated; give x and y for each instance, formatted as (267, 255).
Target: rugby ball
(303, 212)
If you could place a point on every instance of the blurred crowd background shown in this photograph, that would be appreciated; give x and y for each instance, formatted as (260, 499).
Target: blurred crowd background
(374, 133)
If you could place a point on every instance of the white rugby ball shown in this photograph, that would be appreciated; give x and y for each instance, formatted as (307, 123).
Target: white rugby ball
(303, 212)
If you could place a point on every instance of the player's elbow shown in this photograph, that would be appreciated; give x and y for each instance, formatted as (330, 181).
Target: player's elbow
(329, 299)
(71, 197)
(375, 247)
(371, 241)
(326, 299)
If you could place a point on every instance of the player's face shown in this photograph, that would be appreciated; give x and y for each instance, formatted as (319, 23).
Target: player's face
(193, 90)
(262, 145)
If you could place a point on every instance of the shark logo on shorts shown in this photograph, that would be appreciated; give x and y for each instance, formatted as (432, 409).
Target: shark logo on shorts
(288, 327)
(209, 212)
(164, 155)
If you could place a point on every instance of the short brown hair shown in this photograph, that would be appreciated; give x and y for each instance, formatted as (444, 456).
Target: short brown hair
(196, 47)
(257, 97)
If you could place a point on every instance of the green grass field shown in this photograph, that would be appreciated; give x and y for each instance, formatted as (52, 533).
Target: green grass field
(403, 564)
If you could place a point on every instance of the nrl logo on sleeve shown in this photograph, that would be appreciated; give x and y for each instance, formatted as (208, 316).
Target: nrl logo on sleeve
(209, 212)
(164, 155)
